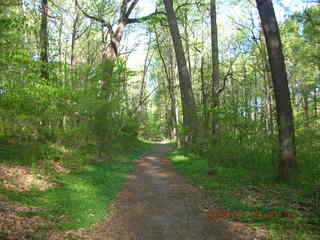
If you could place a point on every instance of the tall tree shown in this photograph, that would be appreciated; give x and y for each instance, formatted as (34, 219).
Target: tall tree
(287, 163)
(187, 98)
(215, 68)
(44, 40)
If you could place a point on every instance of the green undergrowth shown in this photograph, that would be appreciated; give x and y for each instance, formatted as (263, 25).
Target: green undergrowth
(252, 195)
(80, 197)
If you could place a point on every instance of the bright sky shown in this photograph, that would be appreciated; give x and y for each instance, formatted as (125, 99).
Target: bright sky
(136, 59)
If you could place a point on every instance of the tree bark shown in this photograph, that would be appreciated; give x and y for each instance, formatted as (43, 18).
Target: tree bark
(287, 161)
(215, 70)
(111, 52)
(187, 98)
(44, 40)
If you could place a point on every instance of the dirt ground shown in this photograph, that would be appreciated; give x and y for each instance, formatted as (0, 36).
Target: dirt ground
(158, 204)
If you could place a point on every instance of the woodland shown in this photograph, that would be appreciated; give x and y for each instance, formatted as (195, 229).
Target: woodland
(88, 86)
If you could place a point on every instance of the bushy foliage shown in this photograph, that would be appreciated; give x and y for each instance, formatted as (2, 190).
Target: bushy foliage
(37, 114)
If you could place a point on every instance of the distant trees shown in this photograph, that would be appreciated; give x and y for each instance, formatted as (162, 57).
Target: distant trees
(241, 86)
(168, 63)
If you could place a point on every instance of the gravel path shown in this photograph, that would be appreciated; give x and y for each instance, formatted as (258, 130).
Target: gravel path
(158, 204)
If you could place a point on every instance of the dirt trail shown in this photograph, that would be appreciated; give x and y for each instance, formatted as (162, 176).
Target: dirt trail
(158, 204)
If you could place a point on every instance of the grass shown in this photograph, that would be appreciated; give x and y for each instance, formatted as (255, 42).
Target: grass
(286, 210)
(81, 197)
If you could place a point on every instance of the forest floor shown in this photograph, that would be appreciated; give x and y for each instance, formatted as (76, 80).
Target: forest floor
(157, 203)
(103, 202)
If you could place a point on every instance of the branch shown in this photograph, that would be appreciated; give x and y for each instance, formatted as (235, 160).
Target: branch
(60, 8)
(132, 6)
(145, 18)
(148, 17)
(161, 56)
(182, 5)
(97, 19)
(123, 8)
(224, 82)
(229, 74)
(143, 101)
(82, 33)
(53, 17)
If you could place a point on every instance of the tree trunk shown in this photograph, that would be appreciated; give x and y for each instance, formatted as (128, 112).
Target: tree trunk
(44, 40)
(287, 162)
(187, 99)
(146, 64)
(73, 44)
(306, 109)
(170, 80)
(174, 104)
(270, 102)
(215, 70)
(111, 52)
(171, 83)
(187, 43)
(204, 99)
(315, 106)
(73, 37)
(60, 46)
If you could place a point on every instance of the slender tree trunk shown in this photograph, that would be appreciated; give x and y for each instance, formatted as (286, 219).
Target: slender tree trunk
(215, 70)
(215, 79)
(73, 43)
(255, 97)
(73, 38)
(62, 120)
(65, 80)
(111, 52)
(187, 43)
(270, 103)
(170, 80)
(174, 104)
(144, 74)
(204, 99)
(315, 105)
(74, 34)
(147, 61)
(306, 109)
(287, 163)
(60, 45)
(44, 40)
(187, 99)
(315, 99)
